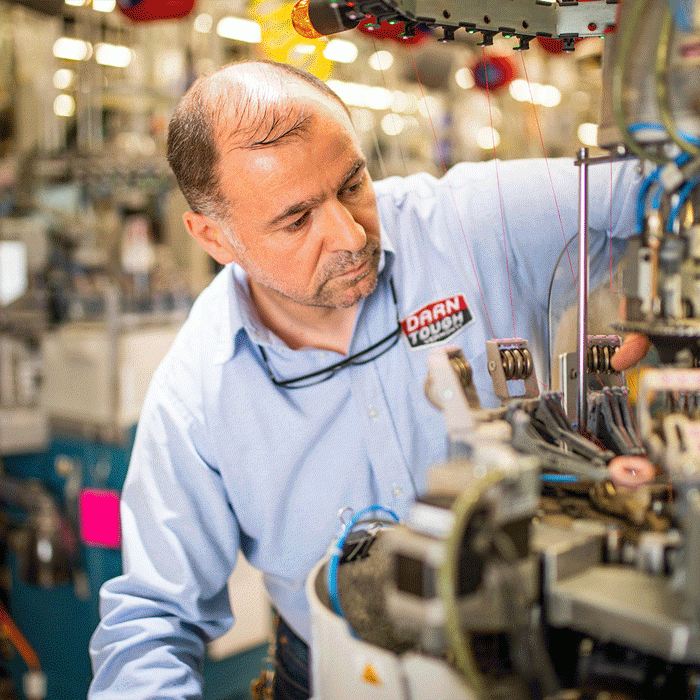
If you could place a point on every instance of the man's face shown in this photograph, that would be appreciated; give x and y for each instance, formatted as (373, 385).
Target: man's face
(303, 216)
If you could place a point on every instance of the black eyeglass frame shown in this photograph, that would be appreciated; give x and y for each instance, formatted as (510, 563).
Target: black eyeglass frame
(332, 370)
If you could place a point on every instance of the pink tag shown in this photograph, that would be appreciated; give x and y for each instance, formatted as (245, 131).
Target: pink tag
(99, 518)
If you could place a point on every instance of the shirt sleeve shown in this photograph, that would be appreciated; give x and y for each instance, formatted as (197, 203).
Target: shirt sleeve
(534, 214)
(180, 540)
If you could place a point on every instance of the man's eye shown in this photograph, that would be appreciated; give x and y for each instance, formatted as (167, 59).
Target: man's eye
(299, 222)
(352, 189)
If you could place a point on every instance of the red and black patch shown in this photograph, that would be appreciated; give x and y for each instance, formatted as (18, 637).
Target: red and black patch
(437, 321)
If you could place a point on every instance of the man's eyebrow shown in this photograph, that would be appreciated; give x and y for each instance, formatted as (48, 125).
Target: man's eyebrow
(299, 207)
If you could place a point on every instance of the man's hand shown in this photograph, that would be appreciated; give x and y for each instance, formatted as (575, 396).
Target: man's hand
(633, 349)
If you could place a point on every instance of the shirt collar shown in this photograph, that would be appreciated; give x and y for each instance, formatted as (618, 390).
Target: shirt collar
(240, 318)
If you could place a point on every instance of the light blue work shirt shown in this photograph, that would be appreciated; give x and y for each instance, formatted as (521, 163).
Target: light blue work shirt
(224, 459)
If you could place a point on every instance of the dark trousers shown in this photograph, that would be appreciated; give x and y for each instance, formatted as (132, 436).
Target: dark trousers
(291, 665)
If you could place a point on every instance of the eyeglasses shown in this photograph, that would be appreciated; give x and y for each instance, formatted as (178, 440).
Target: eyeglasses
(359, 358)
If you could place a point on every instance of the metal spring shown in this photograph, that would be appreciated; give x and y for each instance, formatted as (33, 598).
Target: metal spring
(463, 369)
(517, 363)
(599, 357)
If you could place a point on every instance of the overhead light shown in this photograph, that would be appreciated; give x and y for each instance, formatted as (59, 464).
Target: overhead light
(75, 3)
(72, 49)
(519, 90)
(403, 102)
(113, 55)
(464, 78)
(588, 134)
(203, 23)
(64, 106)
(487, 138)
(373, 97)
(381, 60)
(549, 96)
(63, 78)
(545, 95)
(392, 124)
(429, 106)
(340, 51)
(239, 29)
(305, 48)
(104, 5)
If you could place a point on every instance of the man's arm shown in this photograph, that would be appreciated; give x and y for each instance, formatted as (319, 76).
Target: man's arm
(180, 543)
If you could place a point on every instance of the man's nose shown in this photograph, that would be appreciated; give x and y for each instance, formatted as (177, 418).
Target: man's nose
(342, 231)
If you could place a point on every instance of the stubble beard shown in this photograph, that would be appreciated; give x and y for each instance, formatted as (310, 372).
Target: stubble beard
(331, 292)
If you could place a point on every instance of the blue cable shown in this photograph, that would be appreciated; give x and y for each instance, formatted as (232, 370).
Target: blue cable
(334, 561)
(647, 182)
(644, 188)
(682, 196)
(559, 478)
(640, 126)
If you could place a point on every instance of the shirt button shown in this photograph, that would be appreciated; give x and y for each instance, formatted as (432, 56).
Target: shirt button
(373, 413)
(396, 490)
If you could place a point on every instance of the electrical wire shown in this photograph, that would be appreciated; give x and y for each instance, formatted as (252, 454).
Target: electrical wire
(644, 188)
(550, 339)
(649, 181)
(559, 478)
(682, 196)
(337, 551)
(447, 578)
(19, 641)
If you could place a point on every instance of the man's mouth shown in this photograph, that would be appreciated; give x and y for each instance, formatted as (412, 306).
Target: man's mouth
(356, 270)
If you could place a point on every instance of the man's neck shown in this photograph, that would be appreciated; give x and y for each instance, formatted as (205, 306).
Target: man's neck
(302, 326)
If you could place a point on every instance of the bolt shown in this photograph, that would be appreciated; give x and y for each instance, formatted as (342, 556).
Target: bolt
(585, 648)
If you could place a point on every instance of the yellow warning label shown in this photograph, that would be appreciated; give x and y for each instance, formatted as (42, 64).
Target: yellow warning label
(369, 675)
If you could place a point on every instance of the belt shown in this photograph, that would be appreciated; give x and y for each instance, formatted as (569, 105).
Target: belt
(291, 664)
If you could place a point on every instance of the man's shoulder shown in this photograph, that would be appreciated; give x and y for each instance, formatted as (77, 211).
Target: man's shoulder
(198, 339)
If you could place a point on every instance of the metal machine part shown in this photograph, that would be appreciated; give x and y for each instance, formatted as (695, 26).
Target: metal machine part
(650, 109)
(523, 19)
(600, 349)
(529, 594)
(510, 359)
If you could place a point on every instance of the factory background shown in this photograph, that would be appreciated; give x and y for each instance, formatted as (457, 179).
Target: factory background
(97, 271)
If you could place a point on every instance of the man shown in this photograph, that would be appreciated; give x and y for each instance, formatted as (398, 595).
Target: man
(295, 388)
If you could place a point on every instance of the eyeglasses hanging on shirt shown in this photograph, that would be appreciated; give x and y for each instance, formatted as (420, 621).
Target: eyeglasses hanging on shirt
(359, 358)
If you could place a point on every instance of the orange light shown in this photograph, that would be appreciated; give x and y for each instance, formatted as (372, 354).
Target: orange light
(301, 22)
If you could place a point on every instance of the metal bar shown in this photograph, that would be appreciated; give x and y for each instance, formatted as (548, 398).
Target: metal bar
(620, 154)
(582, 288)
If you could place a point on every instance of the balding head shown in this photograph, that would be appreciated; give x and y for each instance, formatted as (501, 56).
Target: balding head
(246, 105)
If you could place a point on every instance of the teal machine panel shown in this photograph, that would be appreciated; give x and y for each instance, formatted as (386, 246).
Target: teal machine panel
(58, 620)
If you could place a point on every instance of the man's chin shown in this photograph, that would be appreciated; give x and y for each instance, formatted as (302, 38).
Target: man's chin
(352, 291)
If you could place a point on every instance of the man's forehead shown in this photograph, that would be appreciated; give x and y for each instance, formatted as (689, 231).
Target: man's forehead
(261, 106)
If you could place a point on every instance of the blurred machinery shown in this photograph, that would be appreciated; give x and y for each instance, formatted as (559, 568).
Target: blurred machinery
(547, 560)
(82, 327)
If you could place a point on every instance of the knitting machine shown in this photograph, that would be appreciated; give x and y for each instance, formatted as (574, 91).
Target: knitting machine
(556, 553)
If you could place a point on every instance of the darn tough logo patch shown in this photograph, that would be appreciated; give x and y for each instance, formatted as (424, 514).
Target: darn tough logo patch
(436, 321)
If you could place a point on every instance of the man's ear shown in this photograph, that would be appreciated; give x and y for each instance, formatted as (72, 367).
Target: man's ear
(209, 235)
